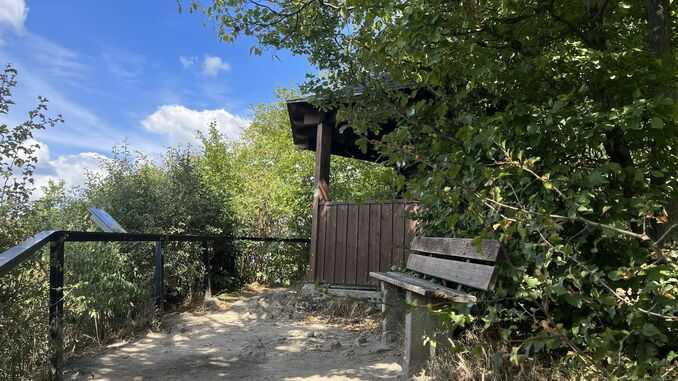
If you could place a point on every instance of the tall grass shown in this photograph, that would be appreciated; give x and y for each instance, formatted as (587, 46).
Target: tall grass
(472, 357)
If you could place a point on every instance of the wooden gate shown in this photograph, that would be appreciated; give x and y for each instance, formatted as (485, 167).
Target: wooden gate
(353, 239)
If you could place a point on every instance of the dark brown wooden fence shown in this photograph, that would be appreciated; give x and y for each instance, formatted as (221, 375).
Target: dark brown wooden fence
(356, 238)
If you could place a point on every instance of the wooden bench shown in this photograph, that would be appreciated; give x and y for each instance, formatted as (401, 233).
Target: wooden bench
(454, 262)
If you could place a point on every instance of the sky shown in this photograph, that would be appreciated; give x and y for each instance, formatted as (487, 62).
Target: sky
(130, 71)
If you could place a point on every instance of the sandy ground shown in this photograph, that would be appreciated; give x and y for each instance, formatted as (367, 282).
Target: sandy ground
(264, 335)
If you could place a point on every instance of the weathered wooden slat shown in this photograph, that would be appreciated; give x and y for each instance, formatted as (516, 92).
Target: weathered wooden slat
(423, 287)
(340, 251)
(353, 239)
(468, 274)
(399, 221)
(370, 202)
(352, 245)
(331, 244)
(386, 237)
(457, 247)
(375, 239)
(322, 253)
(313, 255)
(397, 279)
(363, 244)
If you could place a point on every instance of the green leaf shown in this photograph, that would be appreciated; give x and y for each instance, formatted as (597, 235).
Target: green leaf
(650, 330)
(532, 282)
(657, 123)
(573, 300)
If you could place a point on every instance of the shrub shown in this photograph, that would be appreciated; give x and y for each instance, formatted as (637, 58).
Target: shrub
(108, 286)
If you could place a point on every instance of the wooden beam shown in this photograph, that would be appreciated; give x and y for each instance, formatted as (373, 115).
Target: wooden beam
(323, 150)
(468, 274)
(423, 287)
(313, 257)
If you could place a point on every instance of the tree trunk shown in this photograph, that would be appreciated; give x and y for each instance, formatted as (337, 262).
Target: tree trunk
(658, 14)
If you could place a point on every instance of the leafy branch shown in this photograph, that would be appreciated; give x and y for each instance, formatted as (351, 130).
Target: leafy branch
(495, 205)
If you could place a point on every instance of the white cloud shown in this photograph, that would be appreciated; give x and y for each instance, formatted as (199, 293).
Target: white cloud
(187, 62)
(13, 13)
(211, 66)
(71, 169)
(182, 124)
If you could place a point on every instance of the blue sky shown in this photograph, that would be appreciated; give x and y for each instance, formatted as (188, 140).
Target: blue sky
(138, 71)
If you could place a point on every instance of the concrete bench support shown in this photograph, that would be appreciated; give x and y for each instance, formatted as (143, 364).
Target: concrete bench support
(393, 309)
(419, 324)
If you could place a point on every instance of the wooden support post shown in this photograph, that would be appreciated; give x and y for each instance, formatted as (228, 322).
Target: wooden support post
(323, 150)
(393, 309)
(159, 277)
(419, 324)
(313, 258)
(207, 275)
(56, 309)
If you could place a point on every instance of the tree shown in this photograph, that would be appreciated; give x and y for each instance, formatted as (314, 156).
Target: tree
(551, 125)
(18, 157)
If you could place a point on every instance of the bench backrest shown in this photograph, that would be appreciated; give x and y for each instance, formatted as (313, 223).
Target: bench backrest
(459, 260)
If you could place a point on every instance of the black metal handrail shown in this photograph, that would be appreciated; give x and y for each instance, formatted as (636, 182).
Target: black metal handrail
(19, 253)
(56, 239)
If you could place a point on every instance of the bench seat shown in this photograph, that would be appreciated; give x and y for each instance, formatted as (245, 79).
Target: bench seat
(423, 287)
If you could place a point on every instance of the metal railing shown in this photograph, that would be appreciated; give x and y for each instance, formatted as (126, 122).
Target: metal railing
(57, 239)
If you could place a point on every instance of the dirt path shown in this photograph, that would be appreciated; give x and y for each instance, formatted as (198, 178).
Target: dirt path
(263, 336)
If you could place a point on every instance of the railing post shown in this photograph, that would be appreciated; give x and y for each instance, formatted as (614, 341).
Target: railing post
(207, 276)
(56, 309)
(159, 277)
(231, 265)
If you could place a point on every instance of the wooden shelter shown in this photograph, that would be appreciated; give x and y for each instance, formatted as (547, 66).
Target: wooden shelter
(348, 239)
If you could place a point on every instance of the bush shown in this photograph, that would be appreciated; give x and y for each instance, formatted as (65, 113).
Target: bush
(23, 294)
(272, 263)
(108, 286)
